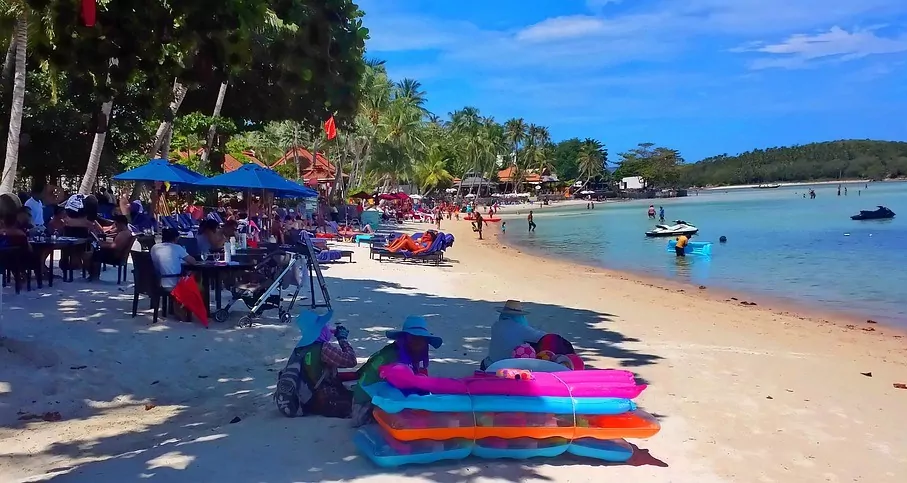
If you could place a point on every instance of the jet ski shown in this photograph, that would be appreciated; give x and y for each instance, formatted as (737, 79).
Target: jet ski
(679, 227)
(880, 214)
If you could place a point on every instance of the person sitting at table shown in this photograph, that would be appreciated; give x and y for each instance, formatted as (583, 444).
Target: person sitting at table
(228, 230)
(24, 220)
(168, 257)
(111, 251)
(57, 221)
(208, 239)
(11, 235)
(77, 225)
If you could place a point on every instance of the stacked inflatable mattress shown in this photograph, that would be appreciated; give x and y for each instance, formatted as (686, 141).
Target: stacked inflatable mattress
(424, 419)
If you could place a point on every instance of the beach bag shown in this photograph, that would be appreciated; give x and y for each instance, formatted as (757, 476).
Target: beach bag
(294, 388)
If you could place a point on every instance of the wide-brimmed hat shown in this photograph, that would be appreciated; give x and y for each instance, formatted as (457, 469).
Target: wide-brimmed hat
(416, 325)
(514, 307)
(310, 323)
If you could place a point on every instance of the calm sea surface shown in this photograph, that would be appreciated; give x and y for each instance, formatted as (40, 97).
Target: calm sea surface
(780, 245)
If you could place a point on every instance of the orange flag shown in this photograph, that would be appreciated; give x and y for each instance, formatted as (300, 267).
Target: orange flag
(330, 129)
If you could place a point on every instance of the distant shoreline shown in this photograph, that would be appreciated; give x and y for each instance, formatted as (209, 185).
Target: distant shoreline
(795, 183)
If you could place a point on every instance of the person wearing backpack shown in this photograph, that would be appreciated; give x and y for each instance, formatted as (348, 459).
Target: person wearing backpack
(309, 383)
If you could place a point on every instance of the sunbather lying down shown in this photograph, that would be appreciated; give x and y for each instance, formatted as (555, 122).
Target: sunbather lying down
(410, 244)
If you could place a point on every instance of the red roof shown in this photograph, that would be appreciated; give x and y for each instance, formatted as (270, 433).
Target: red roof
(321, 169)
(230, 163)
(529, 176)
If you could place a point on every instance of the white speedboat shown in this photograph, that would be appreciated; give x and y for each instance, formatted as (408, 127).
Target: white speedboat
(679, 227)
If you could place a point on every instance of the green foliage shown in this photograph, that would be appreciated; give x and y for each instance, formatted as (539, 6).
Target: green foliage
(847, 159)
(289, 60)
(658, 166)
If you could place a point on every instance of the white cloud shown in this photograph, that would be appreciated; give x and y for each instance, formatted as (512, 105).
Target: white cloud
(561, 28)
(835, 44)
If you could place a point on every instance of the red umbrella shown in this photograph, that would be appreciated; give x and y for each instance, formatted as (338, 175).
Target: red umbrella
(387, 196)
(187, 293)
(402, 196)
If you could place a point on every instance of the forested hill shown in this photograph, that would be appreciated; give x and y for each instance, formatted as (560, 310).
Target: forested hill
(847, 159)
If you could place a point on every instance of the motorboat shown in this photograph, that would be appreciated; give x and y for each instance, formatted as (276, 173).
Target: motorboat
(768, 186)
(679, 227)
(881, 213)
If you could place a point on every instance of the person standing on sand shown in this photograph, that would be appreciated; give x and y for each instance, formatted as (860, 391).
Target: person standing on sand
(503, 227)
(478, 223)
(531, 223)
(680, 247)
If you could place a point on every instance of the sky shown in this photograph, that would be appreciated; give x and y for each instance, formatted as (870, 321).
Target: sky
(706, 77)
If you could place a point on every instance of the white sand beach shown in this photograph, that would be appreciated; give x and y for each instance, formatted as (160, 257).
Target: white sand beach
(743, 393)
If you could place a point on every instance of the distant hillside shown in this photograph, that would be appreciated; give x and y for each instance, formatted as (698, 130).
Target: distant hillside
(811, 162)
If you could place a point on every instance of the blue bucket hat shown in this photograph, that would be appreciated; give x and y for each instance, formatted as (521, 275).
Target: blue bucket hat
(310, 324)
(416, 325)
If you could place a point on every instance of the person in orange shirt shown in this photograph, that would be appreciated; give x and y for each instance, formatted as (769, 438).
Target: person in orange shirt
(680, 247)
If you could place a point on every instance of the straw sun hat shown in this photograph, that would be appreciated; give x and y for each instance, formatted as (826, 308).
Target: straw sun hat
(514, 307)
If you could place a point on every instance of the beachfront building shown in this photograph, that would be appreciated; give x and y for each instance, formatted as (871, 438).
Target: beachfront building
(474, 183)
(632, 183)
(315, 171)
(511, 180)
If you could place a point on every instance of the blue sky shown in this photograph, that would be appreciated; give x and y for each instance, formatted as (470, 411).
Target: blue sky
(703, 76)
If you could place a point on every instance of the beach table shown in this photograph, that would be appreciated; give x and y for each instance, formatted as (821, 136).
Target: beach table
(211, 273)
(66, 245)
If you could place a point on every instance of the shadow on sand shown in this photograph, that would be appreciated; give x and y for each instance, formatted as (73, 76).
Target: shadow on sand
(199, 444)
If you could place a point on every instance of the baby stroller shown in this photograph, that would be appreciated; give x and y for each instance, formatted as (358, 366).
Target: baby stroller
(264, 289)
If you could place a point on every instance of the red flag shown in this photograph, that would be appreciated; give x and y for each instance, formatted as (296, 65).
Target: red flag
(89, 12)
(330, 128)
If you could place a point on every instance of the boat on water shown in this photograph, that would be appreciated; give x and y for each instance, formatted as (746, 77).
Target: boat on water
(882, 213)
(768, 186)
(679, 227)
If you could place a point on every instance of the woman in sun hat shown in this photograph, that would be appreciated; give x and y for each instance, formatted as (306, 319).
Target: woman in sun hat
(410, 346)
(509, 332)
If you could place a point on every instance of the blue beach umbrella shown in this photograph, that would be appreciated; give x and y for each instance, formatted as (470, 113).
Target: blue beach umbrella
(163, 171)
(254, 177)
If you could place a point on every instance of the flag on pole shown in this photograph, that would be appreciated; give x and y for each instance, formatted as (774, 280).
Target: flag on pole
(330, 129)
(89, 12)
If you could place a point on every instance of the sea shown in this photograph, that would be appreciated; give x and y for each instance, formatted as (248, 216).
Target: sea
(780, 245)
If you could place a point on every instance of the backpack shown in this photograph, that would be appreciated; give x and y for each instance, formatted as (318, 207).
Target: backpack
(297, 383)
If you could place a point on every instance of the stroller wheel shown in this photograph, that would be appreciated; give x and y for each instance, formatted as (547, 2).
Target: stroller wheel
(221, 316)
(245, 321)
(284, 317)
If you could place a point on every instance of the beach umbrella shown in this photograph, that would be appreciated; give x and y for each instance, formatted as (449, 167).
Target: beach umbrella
(416, 197)
(470, 195)
(387, 197)
(401, 196)
(254, 177)
(586, 192)
(163, 171)
(362, 195)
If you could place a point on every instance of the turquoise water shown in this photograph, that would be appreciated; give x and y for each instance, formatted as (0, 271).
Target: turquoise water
(780, 245)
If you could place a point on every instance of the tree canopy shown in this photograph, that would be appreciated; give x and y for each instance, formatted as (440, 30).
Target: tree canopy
(846, 159)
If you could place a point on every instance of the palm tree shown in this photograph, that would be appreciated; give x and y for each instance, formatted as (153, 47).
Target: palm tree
(591, 160)
(15, 119)
(515, 133)
(431, 171)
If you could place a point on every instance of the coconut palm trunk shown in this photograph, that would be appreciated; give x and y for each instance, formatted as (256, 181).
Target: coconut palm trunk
(15, 119)
(9, 63)
(212, 130)
(97, 147)
(179, 93)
